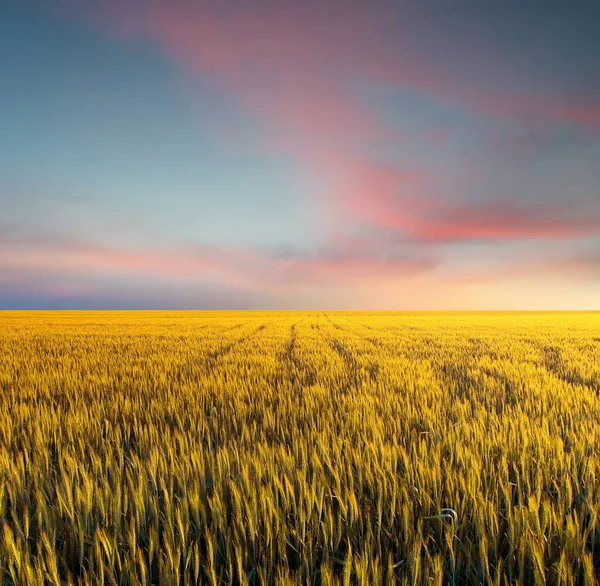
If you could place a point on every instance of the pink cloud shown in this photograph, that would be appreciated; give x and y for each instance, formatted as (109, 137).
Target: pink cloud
(284, 51)
(450, 222)
(406, 201)
(376, 276)
(291, 64)
(508, 222)
(61, 256)
(239, 268)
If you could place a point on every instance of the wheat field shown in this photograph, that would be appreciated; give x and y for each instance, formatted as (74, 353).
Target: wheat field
(286, 448)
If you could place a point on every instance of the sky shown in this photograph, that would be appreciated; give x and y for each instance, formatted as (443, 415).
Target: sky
(299, 154)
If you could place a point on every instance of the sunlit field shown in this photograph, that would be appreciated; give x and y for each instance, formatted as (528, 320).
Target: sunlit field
(299, 448)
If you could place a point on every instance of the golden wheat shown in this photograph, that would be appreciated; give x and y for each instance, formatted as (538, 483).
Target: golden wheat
(312, 448)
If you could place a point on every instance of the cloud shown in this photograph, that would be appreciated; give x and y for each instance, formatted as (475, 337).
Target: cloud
(351, 272)
(503, 221)
(288, 49)
(293, 65)
(409, 203)
(298, 68)
(239, 268)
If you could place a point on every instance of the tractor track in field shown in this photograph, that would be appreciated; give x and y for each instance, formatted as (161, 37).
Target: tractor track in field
(352, 366)
(375, 342)
(300, 373)
(214, 357)
(555, 364)
(372, 369)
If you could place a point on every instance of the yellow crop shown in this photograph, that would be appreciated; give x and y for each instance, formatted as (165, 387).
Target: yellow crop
(315, 448)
